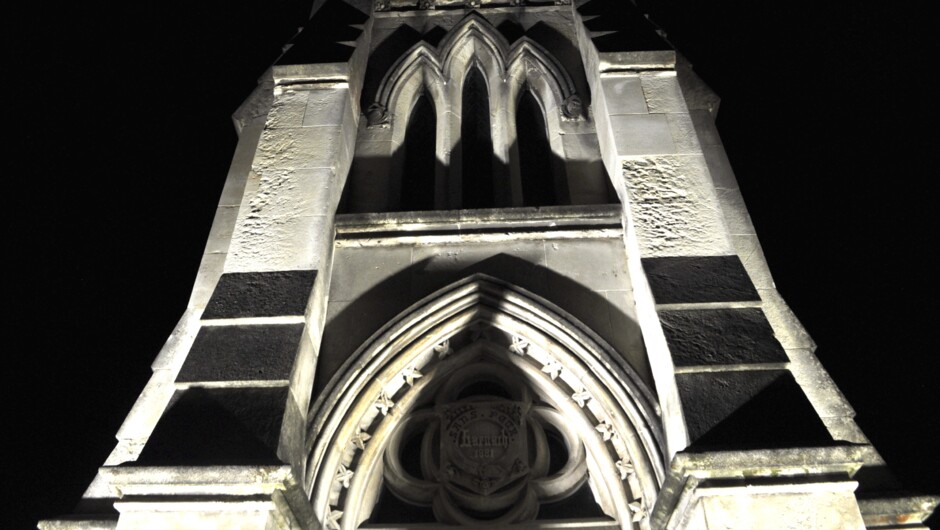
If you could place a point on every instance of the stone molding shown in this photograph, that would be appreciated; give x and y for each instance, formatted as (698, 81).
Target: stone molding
(568, 365)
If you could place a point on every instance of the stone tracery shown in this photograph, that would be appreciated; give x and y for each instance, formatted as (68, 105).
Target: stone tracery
(622, 465)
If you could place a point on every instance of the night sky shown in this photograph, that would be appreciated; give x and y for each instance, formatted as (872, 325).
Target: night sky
(121, 139)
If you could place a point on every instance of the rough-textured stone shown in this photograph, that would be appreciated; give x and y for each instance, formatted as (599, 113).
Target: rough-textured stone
(242, 353)
(218, 426)
(705, 337)
(662, 92)
(260, 294)
(284, 242)
(287, 110)
(674, 206)
(678, 280)
(748, 409)
(306, 147)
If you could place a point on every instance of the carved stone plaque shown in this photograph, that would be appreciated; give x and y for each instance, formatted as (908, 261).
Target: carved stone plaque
(483, 444)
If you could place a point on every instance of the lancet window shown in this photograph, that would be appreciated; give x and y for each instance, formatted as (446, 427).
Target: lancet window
(497, 113)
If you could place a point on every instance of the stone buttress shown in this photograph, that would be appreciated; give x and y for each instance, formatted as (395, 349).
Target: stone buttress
(631, 310)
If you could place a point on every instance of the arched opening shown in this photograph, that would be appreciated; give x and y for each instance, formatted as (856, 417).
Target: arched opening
(535, 154)
(476, 143)
(417, 180)
(518, 413)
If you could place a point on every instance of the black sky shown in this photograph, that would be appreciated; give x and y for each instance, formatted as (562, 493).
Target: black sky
(121, 139)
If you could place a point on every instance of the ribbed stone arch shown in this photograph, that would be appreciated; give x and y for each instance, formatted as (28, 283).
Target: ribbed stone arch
(569, 366)
(531, 67)
(441, 71)
(417, 72)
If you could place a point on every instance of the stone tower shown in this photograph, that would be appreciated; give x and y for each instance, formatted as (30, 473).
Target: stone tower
(485, 263)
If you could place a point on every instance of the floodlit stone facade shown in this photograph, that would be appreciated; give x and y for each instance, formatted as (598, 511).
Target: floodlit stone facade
(486, 264)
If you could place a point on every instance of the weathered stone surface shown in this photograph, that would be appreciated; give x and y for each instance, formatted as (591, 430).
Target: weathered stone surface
(284, 242)
(218, 426)
(705, 337)
(674, 206)
(287, 110)
(242, 353)
(748, 409)
(678, 280)
(662, 93)
(260, 294)
(306, 147)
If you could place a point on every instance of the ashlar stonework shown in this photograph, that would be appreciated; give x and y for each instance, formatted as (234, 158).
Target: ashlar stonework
(484, 263)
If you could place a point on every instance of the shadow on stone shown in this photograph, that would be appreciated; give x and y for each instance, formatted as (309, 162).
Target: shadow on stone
(218, 426)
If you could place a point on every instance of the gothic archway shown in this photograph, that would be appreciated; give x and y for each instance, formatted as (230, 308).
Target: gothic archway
(486, 325)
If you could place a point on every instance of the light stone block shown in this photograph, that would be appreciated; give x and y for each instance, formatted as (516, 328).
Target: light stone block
(623, 94)
(435, 267)
(845, 429)
(598, 264)
(326, 106)
(357, 271)
(788, 329)
(705, 128)
(221, 232)
(306, 147)
(202, 517)
(720, 167)
(181, 338)
(147, 410)
(674, 207)
(662, 92)
(737, 219)
(210, 269)
(683, 133)
(301, 378)
(819, 387)
(278, 243)
(752, 256)
(641, 134)
(241, 163)
(627, 335)
(773, 510)
(580, 146)
(294, 192)
(288, 110)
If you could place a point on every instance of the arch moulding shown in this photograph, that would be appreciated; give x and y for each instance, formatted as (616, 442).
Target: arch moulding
(480, 319)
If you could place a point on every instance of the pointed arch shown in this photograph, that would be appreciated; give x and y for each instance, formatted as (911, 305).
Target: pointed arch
(569, 366)
(474, 43)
